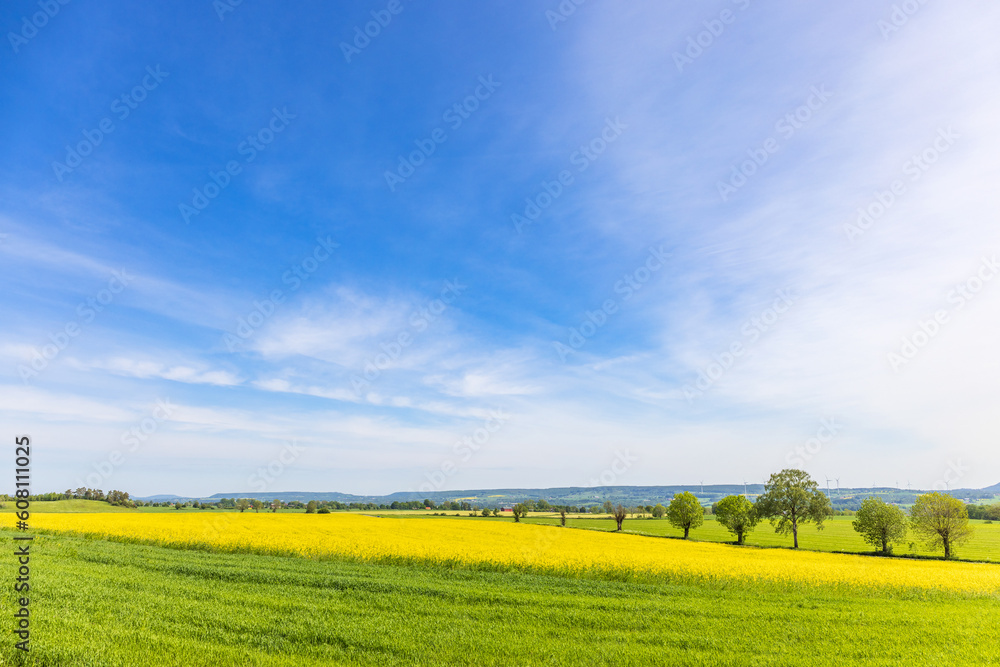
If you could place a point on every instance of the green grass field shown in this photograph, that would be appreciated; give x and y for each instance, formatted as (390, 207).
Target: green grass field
(837, 535)
(98, 603)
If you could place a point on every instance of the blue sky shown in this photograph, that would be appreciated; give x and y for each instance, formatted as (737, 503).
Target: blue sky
(499, 244)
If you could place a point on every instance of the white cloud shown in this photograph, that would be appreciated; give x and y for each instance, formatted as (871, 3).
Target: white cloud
(146, 369)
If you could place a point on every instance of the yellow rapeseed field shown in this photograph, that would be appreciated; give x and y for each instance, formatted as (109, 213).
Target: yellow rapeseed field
(503, 543)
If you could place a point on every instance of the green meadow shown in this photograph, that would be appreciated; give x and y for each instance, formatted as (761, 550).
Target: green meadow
(837, 535)
(106, 604)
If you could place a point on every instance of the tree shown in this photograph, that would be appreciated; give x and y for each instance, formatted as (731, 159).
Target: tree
(737, 514)
(242, 504)
(685, 512)
(543, 505)
(619, 513)
(658, 510)
(562, 517)
(311, 507)
(275, 504)
(257, 505)
(116, 497)
(486, 512)
(519, 511)
(880, 523)
(608, 507)
(941, 520)
(792, 497)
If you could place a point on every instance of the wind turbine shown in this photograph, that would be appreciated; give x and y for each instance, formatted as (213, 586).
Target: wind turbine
(744, 487)
(838, 482)
(827, 486)
(702, 487)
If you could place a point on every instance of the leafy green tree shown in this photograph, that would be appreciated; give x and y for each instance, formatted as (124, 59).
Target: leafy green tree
(792, 497)
(737, 514)
(486, 512)
(562, 517)
(496, 512)
(941, 520)
(658, 510)
(880, 523)
(311, 507)
(242, 505)
(685, 512)
(257, 505)
(543, 505)
(619, 513)
(519, 511)
(608, 507)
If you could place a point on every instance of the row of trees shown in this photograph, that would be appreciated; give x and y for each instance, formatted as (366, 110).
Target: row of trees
(986, 512)
(792, 499)
(942, 522)
(114, 497)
